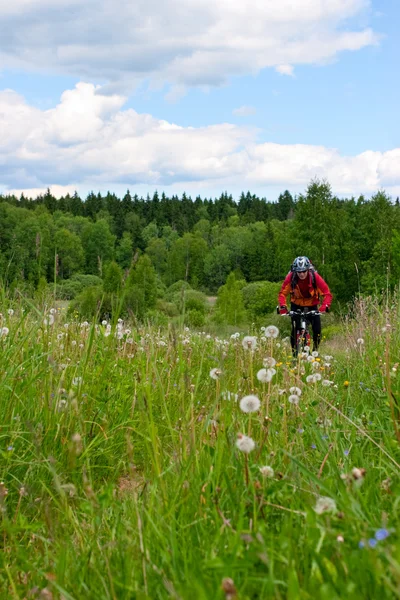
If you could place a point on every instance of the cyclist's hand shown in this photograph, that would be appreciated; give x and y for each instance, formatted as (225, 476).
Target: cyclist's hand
(324, 309)
(283, 310)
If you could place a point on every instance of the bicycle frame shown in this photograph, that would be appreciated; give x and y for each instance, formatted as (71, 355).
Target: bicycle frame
(303, 338)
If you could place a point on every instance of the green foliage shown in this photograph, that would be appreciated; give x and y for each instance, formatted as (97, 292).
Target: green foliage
(112, 281)
(68, 289)
(195, 318)
(140, 292)
(260, 298)
(88, 302)
(229, 306)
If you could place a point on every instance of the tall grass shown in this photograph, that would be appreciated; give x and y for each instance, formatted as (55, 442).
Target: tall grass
(122, 479)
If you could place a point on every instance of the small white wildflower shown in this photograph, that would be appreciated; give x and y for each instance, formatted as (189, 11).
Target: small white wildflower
(267, 471)
(269, 361)
(360, 341)
(325, 504)
(10, 312)
(281, 392)
(271, 331)
(295, 390)
(264, 375)
(328, 357)
(262, 328)
(294, 399)
(76, 381)
(310, 358)
(73, 343)
(4, 331)
(326, 382)
(245, 444)
(249, 342)
(249, 404)
(215, 373)
(104, 322)
(315, 366)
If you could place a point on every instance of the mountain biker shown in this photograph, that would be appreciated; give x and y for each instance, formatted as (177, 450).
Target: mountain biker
(306, 289)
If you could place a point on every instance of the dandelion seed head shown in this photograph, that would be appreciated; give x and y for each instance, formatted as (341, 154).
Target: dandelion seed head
(249, 342)
(271, 331)
(249, 404)
(267, 471)
(269, 361)
(294, 399)
(325, 505)
(295, 390)
(245, 443)
(215, 373)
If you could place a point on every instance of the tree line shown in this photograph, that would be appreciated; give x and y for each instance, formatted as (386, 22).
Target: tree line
(353, 242)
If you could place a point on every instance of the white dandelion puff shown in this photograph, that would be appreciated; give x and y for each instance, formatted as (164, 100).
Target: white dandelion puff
(249, 404)
(325, 504)
(295, 390)
(249, 342)
(10, 312)
(269, 361)
(317, 377)
(4, 331)
(326, 382)
(215, 373)
(294, 399)
(245, 444)
(267, 471)
(314, 354)
(265, 375)
(271, 331)
(360, 341)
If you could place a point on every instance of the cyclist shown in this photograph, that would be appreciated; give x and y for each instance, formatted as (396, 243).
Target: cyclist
(307, 290)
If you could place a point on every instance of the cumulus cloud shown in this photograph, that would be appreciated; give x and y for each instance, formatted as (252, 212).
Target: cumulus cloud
(285, 70)
(90, 140)
(201, 42)
(244, 111)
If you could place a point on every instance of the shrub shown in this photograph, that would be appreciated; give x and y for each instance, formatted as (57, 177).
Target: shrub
(68, 289)
(260, 298)
(195, 318)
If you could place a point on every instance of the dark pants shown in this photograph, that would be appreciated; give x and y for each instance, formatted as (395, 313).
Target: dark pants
(315, 321)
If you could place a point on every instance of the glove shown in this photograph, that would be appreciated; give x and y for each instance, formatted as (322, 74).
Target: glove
(324, 309)
(283, 310)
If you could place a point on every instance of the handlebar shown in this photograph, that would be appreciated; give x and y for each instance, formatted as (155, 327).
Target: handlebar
(298, 313)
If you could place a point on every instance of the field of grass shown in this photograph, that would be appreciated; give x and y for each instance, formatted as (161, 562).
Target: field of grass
(137, 464)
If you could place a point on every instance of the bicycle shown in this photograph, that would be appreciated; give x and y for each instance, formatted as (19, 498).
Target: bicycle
(303, 337)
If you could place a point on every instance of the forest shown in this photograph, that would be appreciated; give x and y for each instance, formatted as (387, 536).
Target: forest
(151, 247)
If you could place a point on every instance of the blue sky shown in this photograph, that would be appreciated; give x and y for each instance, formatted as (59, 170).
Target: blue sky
(103, 98)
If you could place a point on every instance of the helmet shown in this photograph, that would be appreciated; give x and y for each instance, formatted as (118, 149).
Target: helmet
(301, 263)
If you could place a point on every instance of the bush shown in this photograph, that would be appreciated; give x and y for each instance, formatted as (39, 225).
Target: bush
(176, 288)
(168, 308)
(260, 298)
(195, 318)
(88, 302)
(68, 289)
(190, 300)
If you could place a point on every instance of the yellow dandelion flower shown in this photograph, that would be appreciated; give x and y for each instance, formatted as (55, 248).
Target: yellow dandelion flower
(346, 383)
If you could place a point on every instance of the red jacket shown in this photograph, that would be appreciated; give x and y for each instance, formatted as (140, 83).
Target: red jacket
(304, 292)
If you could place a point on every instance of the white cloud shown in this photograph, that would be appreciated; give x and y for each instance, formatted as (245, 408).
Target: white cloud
(285, 70)
(244, 111)
(201, 42)
(89, 141)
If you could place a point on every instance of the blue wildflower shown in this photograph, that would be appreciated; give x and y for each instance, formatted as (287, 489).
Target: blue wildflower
(313, 446)
(346, 452)
(300, 430)
(361, 544)
(10, 448)
(372, 542)
(381, 534)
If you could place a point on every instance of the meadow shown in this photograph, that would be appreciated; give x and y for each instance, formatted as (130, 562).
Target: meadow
(145, 463)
